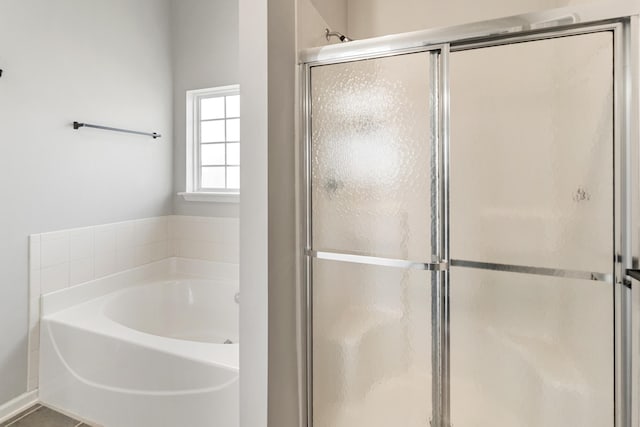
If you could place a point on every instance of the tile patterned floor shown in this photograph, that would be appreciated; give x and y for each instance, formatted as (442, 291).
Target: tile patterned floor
(41, 416)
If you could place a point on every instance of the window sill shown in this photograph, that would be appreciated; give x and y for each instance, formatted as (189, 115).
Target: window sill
(211, 197)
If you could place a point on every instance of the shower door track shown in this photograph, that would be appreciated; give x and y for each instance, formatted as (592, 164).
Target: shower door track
(622, 21)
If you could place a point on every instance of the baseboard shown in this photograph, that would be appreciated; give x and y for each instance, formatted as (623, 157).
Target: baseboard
(17, 405)
(71, 415)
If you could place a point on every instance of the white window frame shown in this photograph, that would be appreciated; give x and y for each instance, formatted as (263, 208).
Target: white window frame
(194, 192)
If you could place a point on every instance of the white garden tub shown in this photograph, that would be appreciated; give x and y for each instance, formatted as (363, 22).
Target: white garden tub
(152, 347)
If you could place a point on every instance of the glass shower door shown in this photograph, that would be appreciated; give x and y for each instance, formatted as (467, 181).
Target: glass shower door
(532, 234)
(373, 206)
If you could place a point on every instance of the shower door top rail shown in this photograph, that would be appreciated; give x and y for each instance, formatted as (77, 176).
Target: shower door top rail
(566, 17)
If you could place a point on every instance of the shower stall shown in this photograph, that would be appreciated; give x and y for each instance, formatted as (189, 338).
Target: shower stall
(470, 225)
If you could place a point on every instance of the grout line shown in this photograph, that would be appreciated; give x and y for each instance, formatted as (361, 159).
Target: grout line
(34, 409)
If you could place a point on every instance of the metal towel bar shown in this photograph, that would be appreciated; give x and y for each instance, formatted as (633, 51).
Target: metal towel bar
(78, 125)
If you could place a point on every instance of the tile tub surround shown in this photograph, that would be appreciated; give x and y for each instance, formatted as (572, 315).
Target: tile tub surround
(73, 257)
(60, 259)
(211, 239)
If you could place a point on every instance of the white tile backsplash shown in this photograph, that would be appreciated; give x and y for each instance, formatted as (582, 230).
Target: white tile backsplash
(104, 238)
(72, 257)
(54, 248)
(81, 243)
(125, 237)
(211, 239)
(105, 263)
(150, 230)
(142, 254)
(125, 258)
(227, 232)
(159, 250)
(54, 278)
(81, 270)
(225, 252)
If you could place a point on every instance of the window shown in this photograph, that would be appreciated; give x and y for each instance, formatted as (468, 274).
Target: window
(213, 140)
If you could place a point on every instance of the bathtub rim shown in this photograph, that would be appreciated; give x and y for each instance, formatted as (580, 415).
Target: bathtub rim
(89, 317)
(111, 300)
(79, 306)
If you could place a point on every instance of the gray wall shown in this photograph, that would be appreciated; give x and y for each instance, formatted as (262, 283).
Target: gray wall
(103, 61)
(205, 54)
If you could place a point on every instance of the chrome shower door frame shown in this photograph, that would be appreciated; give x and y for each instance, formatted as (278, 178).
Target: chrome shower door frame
(622, 21)
(438, 69)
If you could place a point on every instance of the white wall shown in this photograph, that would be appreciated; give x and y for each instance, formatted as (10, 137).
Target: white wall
(254, 268)
(313, 16)
(205, 54)
(334, 13)
(105, 62)
(372, 18)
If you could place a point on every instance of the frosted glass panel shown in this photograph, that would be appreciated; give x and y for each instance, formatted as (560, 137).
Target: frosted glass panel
(212, 108)
(213, 177)
(530, 351)
(532, 153)
(371, 346)
(371, 170)
(212, 154)
(212, 131)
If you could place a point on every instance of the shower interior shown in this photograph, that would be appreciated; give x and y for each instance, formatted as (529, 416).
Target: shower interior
(468, 231)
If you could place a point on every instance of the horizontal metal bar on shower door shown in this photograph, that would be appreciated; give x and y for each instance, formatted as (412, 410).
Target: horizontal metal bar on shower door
(363, 56)
(78, 125)
(444, 266)
(579, 30)
(540, 271)
(383, 262)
